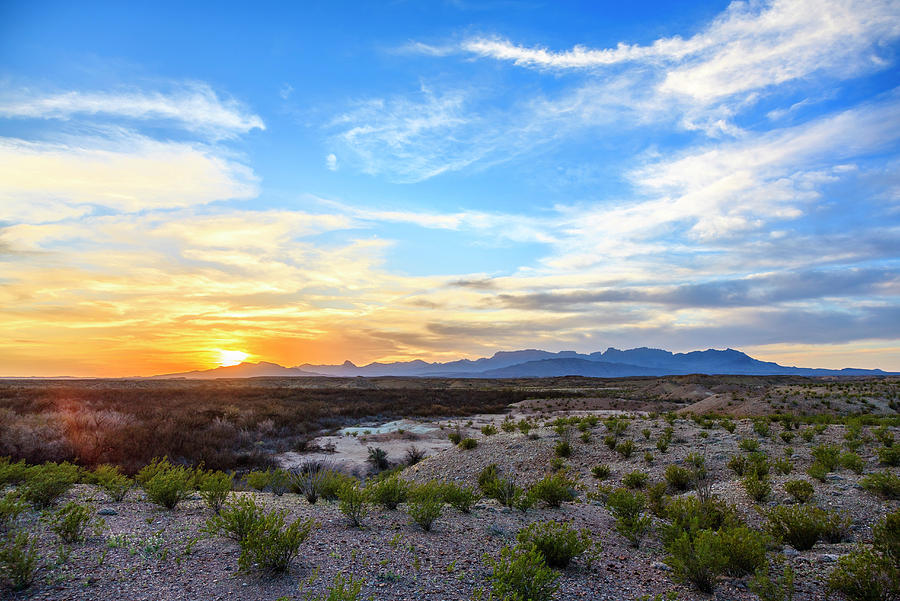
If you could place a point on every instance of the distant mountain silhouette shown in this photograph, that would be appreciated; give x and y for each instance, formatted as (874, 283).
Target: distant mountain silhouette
(534, 363)
(242, 370)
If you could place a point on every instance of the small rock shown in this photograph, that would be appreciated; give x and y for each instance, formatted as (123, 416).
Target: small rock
(107, 511)
(790, 552)
(660, 566)
(828, 558)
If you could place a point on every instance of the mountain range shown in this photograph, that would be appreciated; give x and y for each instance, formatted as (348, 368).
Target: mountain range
(532, 363)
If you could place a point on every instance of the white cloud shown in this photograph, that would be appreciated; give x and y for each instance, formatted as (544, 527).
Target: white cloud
(195, 107)
(331, 162)
(50, 181)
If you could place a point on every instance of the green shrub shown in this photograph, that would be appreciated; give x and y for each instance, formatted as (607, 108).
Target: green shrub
(454, 437)
(557, 542)
(389, 492)
(508, 425)
(886, 536)
(236, 519)
(737, 464)
(628, 509)
(656, 499)
(783, 466)
(749, 444)
(214, 488)
(761, 427)
(554, 490)
(524, 426)
(801, 490)
(19, 560)
(563, 449)
(744, 549)
(507, 493)
(853, 462)
(769, 589)
(352, 502)
(662, 445)
(786, 436)
(169, 485)
(889, 455)
(835, 527)
(279, 484)
(258, 480)
(487, 475)
(884, 484)
(636, 479)
(625, 448)
(11, 473)
(799, 525)
(697, 560)
(11, 507)
(728, 424)
(343, 588)
(828, 455)
(270, 544)
(818, 471)
(378, 458)
(467, 444)
(488, 430)
(646, 432)
(689, 514)
(426, 504)
(71, 521)
(309, 479)
(111, 480)
(807, 434)
(521, 574)
(601, 472)
(46, 483)
(865, 575)
(332, 482)
(678, 478)
(459, 497)
(757, 487)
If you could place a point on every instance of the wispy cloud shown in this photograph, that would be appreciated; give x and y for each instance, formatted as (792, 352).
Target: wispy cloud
(195, 107)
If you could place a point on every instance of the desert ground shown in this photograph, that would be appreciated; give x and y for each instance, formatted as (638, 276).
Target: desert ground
(596, 439)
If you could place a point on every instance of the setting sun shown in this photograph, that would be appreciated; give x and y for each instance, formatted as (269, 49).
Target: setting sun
(229, 358)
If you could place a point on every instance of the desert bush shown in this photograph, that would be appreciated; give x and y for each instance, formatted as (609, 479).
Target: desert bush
(169, 485)
(455, 437)
(524, 426)
(783, 466)
(807, 434)
(378, 458)
(352, 502)
(257, 479)
(214, 488)
(487, 475)
(853, 462)
(507, 493)
(767, 588)
(508, 425)
(628, 509)
(799, 525)
(71, 520)
(389, 492)
(749, 445)
(271, 544)
(835, 527)
(865, 575)
(111, 480)
(662, 445)
(889, 455)
(744, 549)
(308, 479)
(332, 482)
(697, 560)
(46, 483)
(635, 479)
(828, 455)
(818, 471)
(426, 503)
(521, 574)
(757, 487)
(557, 542)
(761, 427)
(801, 490)
(488, 430)
(690, 514)
(11, 507)
(886, 536)
(235, 519)
(625, 448)
(413, 455)
(563, 448)
(19, 559)
(461, 498)
(678, 478)
(884, 484)
(11, 473)
(601, 472)
(728, 424)
(553, 490)
(786, 436)
(737, 464)
(467, 444)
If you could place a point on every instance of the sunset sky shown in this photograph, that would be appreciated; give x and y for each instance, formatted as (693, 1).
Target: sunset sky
(184, 185)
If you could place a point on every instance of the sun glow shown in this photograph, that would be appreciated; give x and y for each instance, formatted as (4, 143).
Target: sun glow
(229, 358)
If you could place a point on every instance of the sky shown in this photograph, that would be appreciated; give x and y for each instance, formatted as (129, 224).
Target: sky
(188, 184)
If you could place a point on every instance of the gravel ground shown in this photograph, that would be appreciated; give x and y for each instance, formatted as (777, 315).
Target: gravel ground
(147, 553)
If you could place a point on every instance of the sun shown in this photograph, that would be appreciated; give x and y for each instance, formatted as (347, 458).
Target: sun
(229, 358)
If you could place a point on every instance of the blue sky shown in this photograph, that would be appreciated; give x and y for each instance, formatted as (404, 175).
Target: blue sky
(402, 180)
